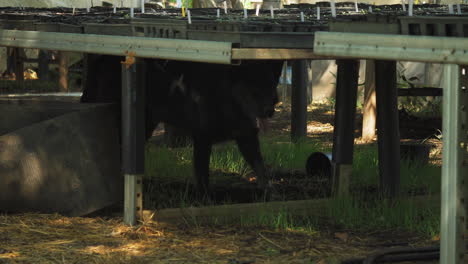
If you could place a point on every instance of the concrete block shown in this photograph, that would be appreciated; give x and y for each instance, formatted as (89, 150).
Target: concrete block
(66, 161)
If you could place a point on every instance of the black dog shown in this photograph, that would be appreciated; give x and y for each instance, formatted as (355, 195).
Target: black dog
(214, 103)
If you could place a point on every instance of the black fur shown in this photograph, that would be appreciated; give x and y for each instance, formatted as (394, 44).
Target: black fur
(213, 103)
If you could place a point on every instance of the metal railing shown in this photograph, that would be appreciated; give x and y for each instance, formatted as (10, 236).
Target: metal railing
(453, 52)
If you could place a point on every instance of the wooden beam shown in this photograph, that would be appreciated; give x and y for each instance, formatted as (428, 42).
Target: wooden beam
(274, 54)
(63, 71)
(19, 64)
(369, 115)
(388, 128)
(43, 65)
(314, 208)
(425, 91)
(300, 70)
(345, 114)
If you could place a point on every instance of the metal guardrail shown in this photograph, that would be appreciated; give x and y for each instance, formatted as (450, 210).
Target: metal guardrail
(173, 49)
(392, 47)
(451, 51)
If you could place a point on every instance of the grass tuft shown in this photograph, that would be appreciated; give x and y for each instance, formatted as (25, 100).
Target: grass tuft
(362, 211)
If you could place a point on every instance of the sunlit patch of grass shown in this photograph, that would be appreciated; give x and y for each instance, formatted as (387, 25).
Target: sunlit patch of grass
(283, 220)
(410, 214)
(364, 210)
(287, 155)
(168, 164)
(416, 178)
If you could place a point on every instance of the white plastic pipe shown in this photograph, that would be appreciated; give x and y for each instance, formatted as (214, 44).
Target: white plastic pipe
(189, 16)
(302, 16)
(272, 14)
(318, 13)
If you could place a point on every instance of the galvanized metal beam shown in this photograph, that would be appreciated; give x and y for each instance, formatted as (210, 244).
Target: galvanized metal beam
(133, 138)
(454, 167)
(392, 47)
(173, 49)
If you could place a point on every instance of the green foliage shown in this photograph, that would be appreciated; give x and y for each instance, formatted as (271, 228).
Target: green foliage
(355, 213)
(417, 105)
(361, 211)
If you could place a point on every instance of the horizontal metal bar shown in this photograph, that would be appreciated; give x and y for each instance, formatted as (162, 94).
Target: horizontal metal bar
(392, 47)
(175, 49)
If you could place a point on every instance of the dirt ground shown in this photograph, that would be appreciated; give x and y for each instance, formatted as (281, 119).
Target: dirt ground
(51, 238)
(39, 238)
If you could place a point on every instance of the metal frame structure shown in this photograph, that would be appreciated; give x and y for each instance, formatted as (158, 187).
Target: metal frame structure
(330, 45)
(172, 49)
(452, 52)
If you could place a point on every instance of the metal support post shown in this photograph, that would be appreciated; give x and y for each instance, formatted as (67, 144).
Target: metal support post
(454, 165)
(133, 138)
(345, 114)
(299, 99)
(388, 130)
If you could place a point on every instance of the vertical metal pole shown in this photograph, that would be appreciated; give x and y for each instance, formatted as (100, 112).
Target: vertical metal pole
(133, 137)
(369, 115)
(388, 127)
(299, 99)
(454, 166)
(345, 115)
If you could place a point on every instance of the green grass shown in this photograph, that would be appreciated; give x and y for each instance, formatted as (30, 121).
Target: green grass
(401, 214)
(358, 212)
(414, 176)
(176, 164)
